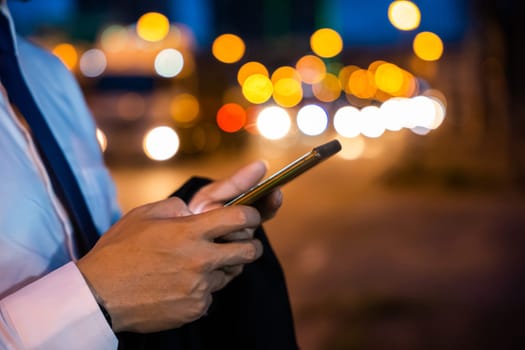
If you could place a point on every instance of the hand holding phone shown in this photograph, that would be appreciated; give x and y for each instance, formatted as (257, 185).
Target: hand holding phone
(288, 173)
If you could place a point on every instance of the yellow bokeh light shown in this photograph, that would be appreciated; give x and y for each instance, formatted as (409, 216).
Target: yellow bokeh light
(428, 46)
(389, 78)
(153, 26)
(408, 87)
(67, 54)
(257, 88)
(184, 108)
(361, 83)
(285, 72)
(326, 42)
(311, 69)
(404, 15)
(251, 68)
(287, 92)
(372, 67)
(228, 48)
(328, 89)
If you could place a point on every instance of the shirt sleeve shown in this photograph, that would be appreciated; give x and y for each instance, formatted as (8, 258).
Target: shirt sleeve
(55, 312)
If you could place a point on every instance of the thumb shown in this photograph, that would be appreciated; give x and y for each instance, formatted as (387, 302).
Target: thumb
(222, 190)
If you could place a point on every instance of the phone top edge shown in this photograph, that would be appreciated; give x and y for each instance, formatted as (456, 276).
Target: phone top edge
(328, 149)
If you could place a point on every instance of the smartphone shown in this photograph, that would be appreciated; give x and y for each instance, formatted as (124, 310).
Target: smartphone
(288, 173)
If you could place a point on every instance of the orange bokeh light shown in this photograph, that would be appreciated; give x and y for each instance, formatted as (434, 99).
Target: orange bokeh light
(311, 68)
(231, 117)
(67, 54)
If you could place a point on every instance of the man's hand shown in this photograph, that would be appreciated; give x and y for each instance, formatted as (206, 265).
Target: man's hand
(156, 268)
(217, 193)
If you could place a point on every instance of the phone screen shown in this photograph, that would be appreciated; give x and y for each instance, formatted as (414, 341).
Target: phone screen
(288, 173)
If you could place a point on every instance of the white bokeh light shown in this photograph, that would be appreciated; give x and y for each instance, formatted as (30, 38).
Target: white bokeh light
(347, 121)
(102, 140)
(273, 123)
(440, 110)
(312, 120)
(393, 113)
(93, 63)
(423, 111)
(161, 143)
(372, 122)
(169, 63)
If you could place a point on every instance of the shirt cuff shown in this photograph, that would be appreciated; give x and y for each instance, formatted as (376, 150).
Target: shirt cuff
(58, 312)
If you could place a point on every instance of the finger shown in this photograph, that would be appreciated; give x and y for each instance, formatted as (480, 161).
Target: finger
(218, 279)
(241, 235)
(234, 270)
(222, 190)
(237, 253)
(269, 205)
(167, 208)
(219, 222)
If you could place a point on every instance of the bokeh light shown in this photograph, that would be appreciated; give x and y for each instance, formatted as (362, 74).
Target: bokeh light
(285, 72)
(372, 124)
(114, 38)
(404, 15)
(161, 143)
(169, 63)
(312, 120)
(394, 115)
(102, 140)
(228, 48)
(362, 84)
(93, 63)
(153, 26)
(287, 92)
(344, 77)
(251, 68)
(257, 88)
(67, 54)
(311, 69)
(184, 108)
(347, 121)
(273, 123)
(409, 85)
(231, 117)
(326, 42)
(440, 112)
(421, 112)
(428, 46)
(389, 78)
(328, 89)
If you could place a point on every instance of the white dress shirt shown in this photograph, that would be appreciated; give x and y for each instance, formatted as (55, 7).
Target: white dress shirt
(44, 300)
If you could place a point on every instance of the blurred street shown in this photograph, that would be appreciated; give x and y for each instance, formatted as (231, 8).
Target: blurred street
(412, 236)
(373, 266)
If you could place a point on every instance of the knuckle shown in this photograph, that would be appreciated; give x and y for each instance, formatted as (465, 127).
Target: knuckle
(203, 264)
(198, 288)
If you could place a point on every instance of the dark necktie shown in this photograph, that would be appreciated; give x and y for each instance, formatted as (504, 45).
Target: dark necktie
(59, 170)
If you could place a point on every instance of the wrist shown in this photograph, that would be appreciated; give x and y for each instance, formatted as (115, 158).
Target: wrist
(100, 302)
